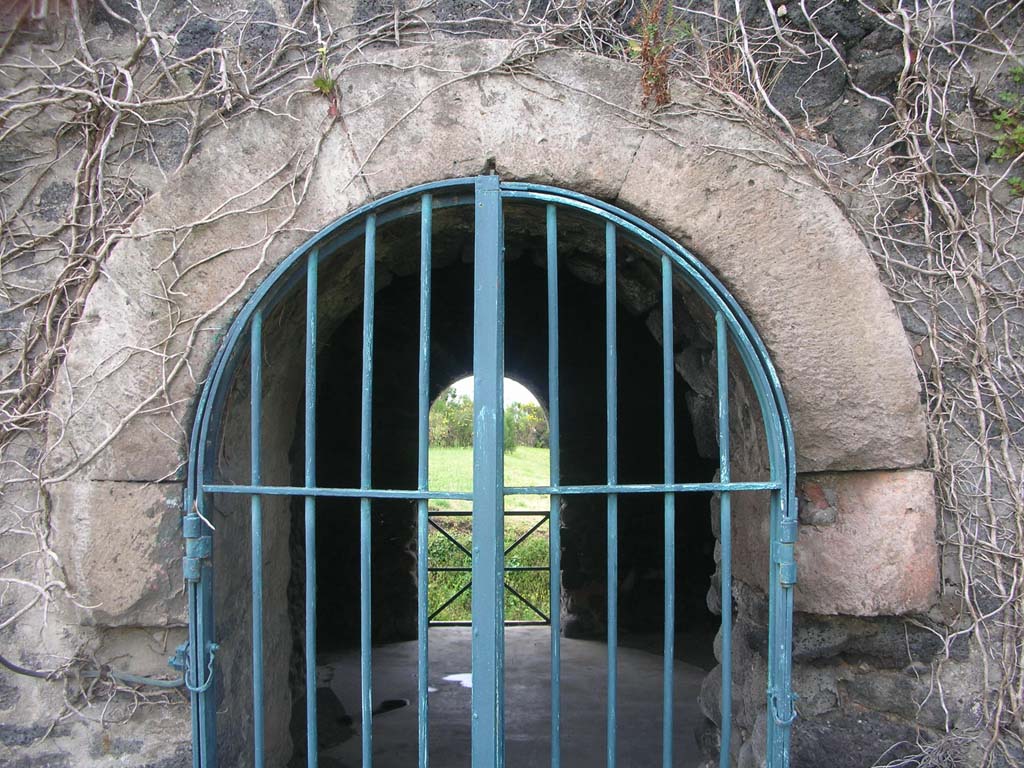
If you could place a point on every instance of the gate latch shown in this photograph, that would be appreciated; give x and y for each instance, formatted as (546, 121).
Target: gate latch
(784, 711)
(181, 661)
(198, 547)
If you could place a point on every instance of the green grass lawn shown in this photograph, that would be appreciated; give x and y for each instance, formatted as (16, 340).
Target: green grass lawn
(451, 469)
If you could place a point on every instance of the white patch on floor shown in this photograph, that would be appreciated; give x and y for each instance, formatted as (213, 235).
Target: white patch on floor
(465, 679)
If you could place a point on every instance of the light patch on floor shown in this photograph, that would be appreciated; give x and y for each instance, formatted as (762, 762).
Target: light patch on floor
(465, 679)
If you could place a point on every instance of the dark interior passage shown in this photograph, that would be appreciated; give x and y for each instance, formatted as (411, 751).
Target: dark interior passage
(583, 436)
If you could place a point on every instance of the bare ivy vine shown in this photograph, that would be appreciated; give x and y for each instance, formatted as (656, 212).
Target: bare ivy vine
(936, 195)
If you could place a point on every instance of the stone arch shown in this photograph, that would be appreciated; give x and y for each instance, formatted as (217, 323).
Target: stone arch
(783, 248)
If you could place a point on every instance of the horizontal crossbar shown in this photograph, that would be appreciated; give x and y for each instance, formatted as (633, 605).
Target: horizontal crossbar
(507, 513)
(467, 569)
(529, 490)
(508, 623)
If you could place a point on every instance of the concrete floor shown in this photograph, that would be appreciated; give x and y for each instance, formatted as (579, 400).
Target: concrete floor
(527, 718)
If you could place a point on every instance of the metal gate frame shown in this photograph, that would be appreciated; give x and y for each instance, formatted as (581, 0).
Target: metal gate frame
(486, 194)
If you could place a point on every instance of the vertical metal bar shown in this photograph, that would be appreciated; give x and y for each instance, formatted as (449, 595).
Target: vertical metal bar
(780, 621)
(199, 660)
(668, 389)
(774, 593)
(205, 630)
(255, 437)
(554, 520)
(193, 660)
(190, 671)
(785, 713)
(423, 453)
(722, 354)
(611, 373)
(782, 579)
(488, 727)
(312, 263)
(365, 529)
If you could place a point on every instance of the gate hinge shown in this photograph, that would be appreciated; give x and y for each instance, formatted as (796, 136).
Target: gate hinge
(198, 547)
(787, 565)
(180, 657)
(787, 574)
(788, 531)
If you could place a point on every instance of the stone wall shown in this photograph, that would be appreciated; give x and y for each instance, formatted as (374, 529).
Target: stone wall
(869, 594)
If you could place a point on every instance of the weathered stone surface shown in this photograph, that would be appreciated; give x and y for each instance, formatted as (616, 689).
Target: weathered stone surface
(710, 698)
(846, 21)
(123, 11)
(138, 650)
(878, 557)
(805, 279)
(440, 120)
(858, 122)
(746, 758)
(55, 200)
(180, 758)
(808, 88)
(886, 643)
(155, 318)
(1014, 757)
(876, 72)
(104, 745)
(816, 687)
(121, 546)
(20, 736)
(880, 671)
(47, 759)
(154, 737)
(907, 695)
(9, 696)
(850, 739)
(197, 35)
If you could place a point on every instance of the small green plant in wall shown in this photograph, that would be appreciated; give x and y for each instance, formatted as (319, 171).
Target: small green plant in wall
(324, 82)
(1010, 124)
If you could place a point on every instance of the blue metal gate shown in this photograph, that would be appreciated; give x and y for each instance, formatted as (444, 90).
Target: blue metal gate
(486, 194)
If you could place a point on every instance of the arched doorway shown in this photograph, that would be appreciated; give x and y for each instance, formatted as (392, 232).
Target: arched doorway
(240, 464)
